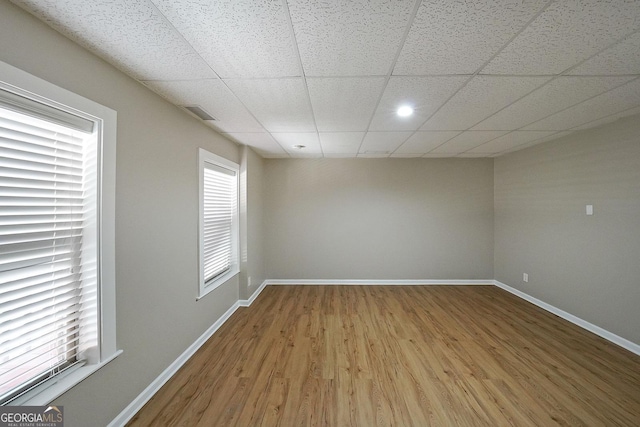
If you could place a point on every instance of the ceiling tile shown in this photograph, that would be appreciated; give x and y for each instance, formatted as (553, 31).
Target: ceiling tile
(262, 142)
(382, 142)
(309, 139)
(458, 37)
(424, 94)
(553, 137)
(423, 142)
(344, 104)
(470, 155)
(238, 38)
(214, 97)
(621, 58)
(340, 142)
(566, 33)
(306, 155)
(466, 141)
(609, 119)
(622, 98)
(340, 155)
(556, 95)
(510, 140)
(358, 37)
(281, 105)
(480, 98)
(132, 35)
(433, 155)
(373, 155)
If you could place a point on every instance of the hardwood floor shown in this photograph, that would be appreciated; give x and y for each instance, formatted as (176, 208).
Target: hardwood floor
(399, 356)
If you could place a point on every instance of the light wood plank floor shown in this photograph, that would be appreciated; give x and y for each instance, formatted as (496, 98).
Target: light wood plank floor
(399, 356)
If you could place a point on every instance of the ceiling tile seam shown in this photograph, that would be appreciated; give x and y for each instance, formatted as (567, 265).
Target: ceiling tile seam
(509, 133)
(212, 70)
(296, 50)
(529, 143)
(620, 40)
(491, 140)
(576, 128)
(412, 18)
(508, 42)
(477, 72)
(434, 148)
(578, 103)
(173, 27)
(549, 80)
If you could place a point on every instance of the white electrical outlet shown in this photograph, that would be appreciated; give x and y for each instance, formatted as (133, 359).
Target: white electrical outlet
(525, 277)
(589, 209)
(249, 281)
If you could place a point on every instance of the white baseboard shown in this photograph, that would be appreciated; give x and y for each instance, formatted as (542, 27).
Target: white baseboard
(161, 380)
(153, 388)
(252, 298)
(377, 282)
(609, 336)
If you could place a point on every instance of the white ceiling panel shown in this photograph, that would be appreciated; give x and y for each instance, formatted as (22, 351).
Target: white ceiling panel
(555, 96)
(566, 33)
(423, 142)
(340, 142)
(214, 97)
(354, 38)
(609, 119)
(340, 155)
(262, 142)
(621, 58)
(275, 73)
(281, 105)
(470, 155)
(552, 137)
(424, 94)
(309, 139)
(433, 155)
(382, 142)
(510, 140)
(344, 104)
(108, 29)
(458, 37)
(238, 38)
(466, 141)
(616, 100)
(463, 111)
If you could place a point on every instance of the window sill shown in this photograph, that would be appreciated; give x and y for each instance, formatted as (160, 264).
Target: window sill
(219, 281)
(46, 392)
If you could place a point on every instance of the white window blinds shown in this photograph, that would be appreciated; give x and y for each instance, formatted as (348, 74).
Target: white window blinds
(220, 199)
(48, 242)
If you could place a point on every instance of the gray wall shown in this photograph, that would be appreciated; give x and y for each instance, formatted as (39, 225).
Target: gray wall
(379, 218)
(251, 229)
(588, 266)
(156, 216)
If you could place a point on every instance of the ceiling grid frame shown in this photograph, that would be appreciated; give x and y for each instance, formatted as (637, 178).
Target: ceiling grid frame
(111, 34)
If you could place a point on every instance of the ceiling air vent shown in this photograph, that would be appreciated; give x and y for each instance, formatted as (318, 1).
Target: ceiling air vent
(198, 111)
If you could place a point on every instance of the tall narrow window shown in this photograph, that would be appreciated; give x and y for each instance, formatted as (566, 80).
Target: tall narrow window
(218, 220)
(50, 278)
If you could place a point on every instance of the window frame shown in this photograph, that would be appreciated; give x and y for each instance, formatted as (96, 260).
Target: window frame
(204, 287)
(27, 85)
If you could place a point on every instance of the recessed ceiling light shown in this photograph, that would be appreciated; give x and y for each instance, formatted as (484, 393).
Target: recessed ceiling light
(299, 146)
(405, 111)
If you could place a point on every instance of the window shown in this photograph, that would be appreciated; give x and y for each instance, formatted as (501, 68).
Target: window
(218, 220)
(57, 174)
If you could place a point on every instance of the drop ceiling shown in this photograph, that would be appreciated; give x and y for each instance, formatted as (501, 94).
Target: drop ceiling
(484, 77)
